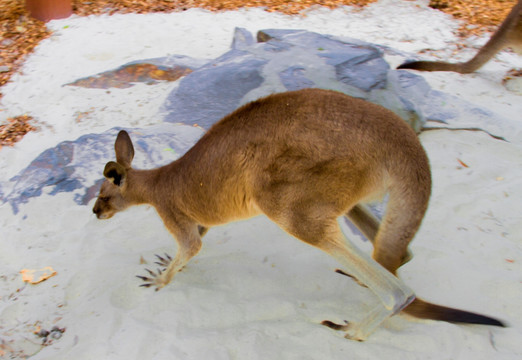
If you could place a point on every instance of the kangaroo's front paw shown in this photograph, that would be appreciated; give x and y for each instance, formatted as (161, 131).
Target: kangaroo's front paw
(164, 262)
(156, 279)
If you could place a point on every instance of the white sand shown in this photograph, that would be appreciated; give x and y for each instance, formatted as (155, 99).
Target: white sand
(253, 292)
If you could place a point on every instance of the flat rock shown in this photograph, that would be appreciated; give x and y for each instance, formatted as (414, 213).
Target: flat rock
(149, 71)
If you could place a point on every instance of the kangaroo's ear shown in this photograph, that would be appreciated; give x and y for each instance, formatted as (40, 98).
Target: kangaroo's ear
(115, 173)
(124, 149)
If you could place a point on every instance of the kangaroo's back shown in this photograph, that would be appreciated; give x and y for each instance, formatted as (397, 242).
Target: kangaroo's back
(316, 143)
(312, 126)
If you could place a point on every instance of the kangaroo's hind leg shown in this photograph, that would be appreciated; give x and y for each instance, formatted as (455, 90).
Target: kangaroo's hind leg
(368, 224)
(323, 232)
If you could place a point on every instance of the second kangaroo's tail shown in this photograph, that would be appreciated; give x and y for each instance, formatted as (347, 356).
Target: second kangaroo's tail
(432, 66)
(506, 35)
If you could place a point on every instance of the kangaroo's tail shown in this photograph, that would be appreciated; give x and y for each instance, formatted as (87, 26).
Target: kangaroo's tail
(431, 66)
(506, 35)
(425, 310)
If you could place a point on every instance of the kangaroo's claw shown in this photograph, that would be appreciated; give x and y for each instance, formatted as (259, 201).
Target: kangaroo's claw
(151, 273)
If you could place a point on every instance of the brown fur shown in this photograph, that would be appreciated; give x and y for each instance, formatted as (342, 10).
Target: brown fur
(509, 34)
(303, 158)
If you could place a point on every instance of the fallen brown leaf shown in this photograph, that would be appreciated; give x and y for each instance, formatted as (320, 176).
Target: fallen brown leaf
(33, 276)
(463, 163)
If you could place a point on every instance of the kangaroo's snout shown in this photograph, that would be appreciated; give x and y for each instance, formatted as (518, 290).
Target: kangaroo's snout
(98, 211)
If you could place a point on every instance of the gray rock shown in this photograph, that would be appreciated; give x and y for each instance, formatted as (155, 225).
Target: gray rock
(214, 90)
(294, 78)
(242, 39)
(173, 60)
(285, 60)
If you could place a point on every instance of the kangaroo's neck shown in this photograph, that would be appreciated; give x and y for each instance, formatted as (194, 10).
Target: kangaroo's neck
(143, 186)
(163, 187)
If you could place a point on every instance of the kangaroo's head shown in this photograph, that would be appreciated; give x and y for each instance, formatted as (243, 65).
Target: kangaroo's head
(113, 195)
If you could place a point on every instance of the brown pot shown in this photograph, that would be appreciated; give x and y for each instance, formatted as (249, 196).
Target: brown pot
(46, 10)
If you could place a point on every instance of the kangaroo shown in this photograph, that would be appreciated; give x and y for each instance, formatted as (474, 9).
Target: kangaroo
(303, 159)
(509, 34)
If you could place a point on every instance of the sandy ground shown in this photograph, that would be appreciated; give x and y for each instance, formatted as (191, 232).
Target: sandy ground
(253, 292)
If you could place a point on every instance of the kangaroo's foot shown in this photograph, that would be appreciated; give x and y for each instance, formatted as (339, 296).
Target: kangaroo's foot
(350, 330)
(361, 330)
(340, 327)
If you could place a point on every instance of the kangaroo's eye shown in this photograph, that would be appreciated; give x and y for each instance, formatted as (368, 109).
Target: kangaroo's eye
(103, 198)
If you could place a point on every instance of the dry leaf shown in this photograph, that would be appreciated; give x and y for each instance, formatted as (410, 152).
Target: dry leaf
(33, 276)
(463, 163)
